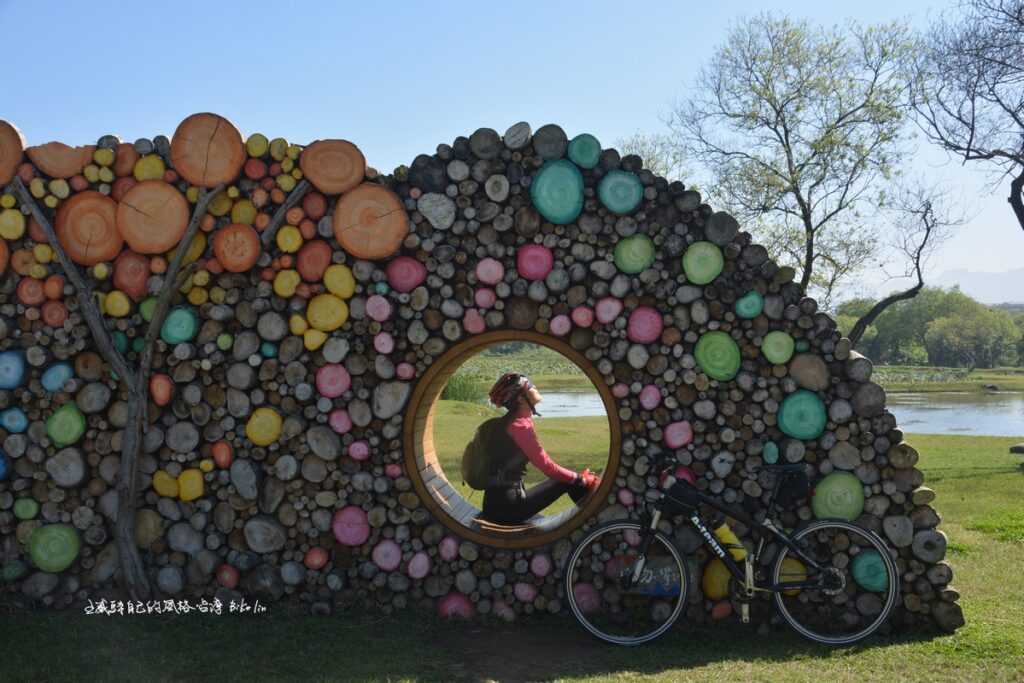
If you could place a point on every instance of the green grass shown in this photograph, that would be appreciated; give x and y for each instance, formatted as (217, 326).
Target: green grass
(573, 442)
(926, 378)
(976, 479)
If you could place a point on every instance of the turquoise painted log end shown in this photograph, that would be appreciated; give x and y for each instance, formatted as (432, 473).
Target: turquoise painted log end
(557, 191)
(585, 150)
(180, 326)
(802, 415)
(750, 305)
(620, 192)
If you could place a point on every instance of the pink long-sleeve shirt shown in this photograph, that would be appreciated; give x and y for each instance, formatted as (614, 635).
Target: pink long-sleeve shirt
(521, 430)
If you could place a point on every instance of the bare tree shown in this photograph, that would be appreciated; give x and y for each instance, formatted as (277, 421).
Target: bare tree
(969, 90)
(661, 156)
(922, 220)
(802, 129)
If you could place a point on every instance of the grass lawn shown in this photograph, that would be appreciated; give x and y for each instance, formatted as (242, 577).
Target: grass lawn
(926, 379)
(979, 487)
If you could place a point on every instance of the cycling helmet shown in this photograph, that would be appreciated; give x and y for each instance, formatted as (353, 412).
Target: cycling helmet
(507, 389)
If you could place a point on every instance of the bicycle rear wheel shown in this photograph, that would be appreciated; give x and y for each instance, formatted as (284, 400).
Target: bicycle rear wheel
(860, 583)
(599, 593)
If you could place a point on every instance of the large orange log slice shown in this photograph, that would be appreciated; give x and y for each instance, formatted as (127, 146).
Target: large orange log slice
(86, 226)
(207, 150)
(370, 221)
(152, 217)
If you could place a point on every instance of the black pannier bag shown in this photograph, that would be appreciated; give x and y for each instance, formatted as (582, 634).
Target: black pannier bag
(681, 498)
(794, 488)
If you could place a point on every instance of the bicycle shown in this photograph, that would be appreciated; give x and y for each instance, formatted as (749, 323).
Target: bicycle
(832, 581)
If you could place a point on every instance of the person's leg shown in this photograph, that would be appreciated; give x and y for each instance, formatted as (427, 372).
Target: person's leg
(508, 505)
(501, 504)
(547, 492)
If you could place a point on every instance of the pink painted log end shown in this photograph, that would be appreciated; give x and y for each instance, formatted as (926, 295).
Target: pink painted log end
(340, 421)
(448, 548)
(383, 342)
(405, 370)
(473, 322)
(607, 309)
(644, 325)
(333, 380)
(540, 565)
(525, 592)
(583, 316)
(393, 470)
(534, 261)
(378, 308)
(484, 297)
(620, 390)
(587, 597)
(650, 397)
(387, 555)
(678, 434)
(359, 450)
(626, 497)
(405, 273)
(419, 565)
(560, 325)
(350, 526)
(489, 271)
(455, 604)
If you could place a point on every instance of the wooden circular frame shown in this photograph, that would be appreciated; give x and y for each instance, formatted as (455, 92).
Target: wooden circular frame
(429, 480)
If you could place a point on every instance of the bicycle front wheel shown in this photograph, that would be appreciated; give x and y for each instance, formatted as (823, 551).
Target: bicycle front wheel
(604, 599)
(858, 583)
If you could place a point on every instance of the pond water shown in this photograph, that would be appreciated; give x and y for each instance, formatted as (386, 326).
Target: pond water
(954, 412)
(994, 414)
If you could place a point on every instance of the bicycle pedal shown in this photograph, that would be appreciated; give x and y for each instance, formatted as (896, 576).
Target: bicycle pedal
(745, 613)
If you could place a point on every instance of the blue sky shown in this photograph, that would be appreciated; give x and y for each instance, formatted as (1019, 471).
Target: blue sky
(397, 78)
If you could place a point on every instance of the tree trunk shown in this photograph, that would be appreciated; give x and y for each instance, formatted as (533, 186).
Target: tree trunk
(133, 572)
(865, 320)
(805, 278)
(1017, 197)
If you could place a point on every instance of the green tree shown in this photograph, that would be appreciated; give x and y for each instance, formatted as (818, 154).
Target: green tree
(802, 130)
(977, 337)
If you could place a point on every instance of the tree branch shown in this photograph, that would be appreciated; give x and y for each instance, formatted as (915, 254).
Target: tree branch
(133, 571)
(1016, 198)
(83, 291)
(297, 193)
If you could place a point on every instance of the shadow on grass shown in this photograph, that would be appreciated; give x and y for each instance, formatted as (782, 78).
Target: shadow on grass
(358, 646)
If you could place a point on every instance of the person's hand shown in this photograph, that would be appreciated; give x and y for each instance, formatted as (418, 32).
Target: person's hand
(590, 480)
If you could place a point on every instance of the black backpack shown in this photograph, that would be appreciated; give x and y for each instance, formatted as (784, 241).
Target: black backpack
(483, 456)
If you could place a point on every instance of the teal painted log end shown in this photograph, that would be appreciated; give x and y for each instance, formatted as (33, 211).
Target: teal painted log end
(620, 192)
(180, 326)
(585, 150)
(750, 305)
(802, 415)
(557, 191)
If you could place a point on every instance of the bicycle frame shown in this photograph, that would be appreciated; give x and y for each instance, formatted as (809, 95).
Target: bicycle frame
(741, 575)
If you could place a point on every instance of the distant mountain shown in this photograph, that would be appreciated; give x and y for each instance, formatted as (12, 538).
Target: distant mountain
(989, 288)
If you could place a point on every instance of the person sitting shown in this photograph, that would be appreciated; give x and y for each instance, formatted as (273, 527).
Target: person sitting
(506, 500)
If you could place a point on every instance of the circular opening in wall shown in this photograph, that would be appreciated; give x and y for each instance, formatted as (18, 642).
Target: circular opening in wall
(437, 430)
